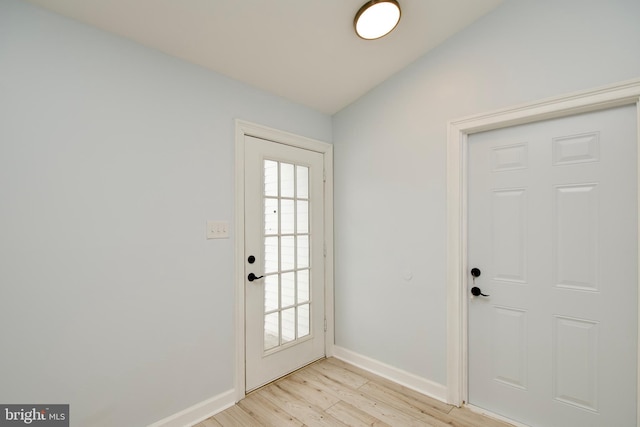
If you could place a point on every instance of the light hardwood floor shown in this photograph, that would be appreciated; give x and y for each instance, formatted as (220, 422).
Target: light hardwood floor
(333, 393)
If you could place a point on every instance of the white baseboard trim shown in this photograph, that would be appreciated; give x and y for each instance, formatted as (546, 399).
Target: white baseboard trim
(198, 412)
(407, 379)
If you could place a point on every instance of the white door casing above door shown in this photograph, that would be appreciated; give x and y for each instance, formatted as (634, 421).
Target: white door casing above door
(625, 93)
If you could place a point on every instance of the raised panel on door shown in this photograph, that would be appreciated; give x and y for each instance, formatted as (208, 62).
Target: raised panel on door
(509, 347)
(575, 237)
(553, 227)
(509, 232)
(575, 362)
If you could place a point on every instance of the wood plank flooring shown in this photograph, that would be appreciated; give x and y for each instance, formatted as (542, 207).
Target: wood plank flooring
(333, 393)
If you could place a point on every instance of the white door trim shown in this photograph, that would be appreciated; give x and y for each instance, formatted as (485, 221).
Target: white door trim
(246, 128)
(624, 93)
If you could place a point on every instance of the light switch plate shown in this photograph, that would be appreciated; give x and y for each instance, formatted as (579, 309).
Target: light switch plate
(217, 229)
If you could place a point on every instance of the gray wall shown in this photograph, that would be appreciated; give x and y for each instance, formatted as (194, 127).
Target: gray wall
(112, 158)
(390, 152)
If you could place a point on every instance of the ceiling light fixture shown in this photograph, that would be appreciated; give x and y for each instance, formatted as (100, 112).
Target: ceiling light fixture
(377, 18)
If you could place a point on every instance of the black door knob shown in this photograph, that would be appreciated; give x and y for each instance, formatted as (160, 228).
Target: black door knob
(475, 291)
(251, 277)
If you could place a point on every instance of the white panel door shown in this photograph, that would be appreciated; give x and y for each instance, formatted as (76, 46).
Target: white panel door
(553, 229)
(284, 259)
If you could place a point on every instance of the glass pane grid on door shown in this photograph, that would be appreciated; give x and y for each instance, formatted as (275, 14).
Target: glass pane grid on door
(287, 299)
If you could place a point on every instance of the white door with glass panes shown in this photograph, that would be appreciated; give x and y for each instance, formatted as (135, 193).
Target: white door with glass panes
(284, 259)
(553, 232)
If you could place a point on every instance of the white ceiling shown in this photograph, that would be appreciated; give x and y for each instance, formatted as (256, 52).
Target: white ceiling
(302, 50)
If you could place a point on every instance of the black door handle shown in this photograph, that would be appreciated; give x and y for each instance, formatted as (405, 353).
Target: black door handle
(475, 291)
(251, 277)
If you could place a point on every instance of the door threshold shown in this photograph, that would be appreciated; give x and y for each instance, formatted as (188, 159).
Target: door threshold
(247, 393)
(489, 414)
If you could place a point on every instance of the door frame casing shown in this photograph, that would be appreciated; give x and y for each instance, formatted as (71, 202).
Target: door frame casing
(242, 129)
(459, 130)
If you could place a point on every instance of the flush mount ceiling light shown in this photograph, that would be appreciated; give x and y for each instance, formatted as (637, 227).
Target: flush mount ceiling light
(377, 18)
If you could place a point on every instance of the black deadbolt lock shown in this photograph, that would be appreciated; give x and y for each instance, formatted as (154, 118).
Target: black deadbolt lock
(475, 272)
(251, 259)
